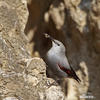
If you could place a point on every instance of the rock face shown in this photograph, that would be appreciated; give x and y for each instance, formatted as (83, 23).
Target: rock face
(74, 22)
(21, 77)
(77, 24)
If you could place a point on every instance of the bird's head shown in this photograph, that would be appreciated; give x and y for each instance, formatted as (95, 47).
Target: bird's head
(56, 45)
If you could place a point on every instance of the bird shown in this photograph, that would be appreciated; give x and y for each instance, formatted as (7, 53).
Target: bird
(57, 61)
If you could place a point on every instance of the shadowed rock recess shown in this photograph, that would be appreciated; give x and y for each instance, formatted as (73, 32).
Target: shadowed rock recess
(76, 23)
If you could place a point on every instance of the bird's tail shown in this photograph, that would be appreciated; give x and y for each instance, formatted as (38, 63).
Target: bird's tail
(75, 76)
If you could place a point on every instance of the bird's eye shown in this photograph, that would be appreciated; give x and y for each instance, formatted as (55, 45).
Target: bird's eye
(58, 44)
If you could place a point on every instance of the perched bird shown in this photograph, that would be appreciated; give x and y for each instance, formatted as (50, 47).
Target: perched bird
(57, 60)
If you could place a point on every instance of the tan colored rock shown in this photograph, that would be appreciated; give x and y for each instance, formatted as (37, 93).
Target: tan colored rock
(10, 98)
(59, 11)
(21, 77)
(54, 93)
(94, 20)
(76, 23)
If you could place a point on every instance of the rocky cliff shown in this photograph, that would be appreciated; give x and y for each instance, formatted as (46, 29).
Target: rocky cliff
(22, 48)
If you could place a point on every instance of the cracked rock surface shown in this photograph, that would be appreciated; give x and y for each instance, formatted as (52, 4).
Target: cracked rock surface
(21, 77)
(76, 23)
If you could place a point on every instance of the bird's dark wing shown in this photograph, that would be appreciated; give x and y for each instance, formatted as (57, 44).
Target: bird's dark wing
(70, 72)
(74, 75)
